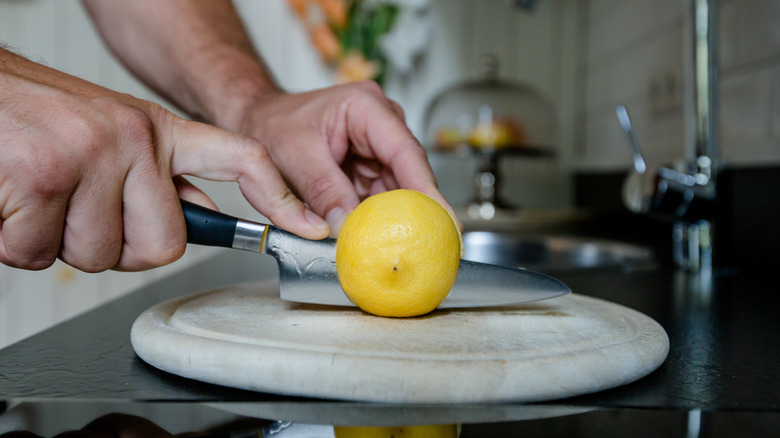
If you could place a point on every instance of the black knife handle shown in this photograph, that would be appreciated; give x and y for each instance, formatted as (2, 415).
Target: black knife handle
(208, 227)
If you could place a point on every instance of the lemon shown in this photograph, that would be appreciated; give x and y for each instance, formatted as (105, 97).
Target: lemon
(497, 134)
(398, 253)
(437, 431)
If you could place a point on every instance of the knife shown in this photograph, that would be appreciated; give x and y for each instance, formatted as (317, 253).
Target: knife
(307, 268)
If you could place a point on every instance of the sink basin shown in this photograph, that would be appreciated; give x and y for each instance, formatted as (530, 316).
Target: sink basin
(554, 253)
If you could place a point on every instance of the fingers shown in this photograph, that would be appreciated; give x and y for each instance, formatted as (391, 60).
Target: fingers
(108, 426)
(154, 230)
(33, 204)
(92, 236)
(83, 434)
(319, 178)
(395, 147)
(339, 145)
(189, 192)
(329, 191)
(377, 130)
(364, 174)
(207, 152)
(399, 110)
(19, 249)
(388, 181)
(124, 425)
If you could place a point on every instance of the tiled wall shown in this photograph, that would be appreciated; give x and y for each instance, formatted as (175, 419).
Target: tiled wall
(635, 49)
(540, 48)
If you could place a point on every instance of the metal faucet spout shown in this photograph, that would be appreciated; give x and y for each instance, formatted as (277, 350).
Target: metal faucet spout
(686, 195)
(703, 95)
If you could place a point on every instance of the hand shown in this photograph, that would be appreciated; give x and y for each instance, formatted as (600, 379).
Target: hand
(339, 145)
(334, 146)
(93, 176)
(107, 426)
(119, 425)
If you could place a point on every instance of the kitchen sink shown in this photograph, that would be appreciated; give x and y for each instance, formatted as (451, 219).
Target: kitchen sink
(553, 253)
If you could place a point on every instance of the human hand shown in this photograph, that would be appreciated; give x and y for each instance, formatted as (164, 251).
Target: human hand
(339, 145)
(334, 146)
(93, 177)
(108, 426)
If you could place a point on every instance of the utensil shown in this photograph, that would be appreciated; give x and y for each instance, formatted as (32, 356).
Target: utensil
(307, 268)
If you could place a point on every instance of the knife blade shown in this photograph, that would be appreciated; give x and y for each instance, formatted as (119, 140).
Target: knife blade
(307, 268)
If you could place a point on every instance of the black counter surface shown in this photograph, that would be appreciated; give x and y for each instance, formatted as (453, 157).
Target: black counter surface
(724, 333)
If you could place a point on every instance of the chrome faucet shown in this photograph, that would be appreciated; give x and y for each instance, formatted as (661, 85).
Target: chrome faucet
(686, 194)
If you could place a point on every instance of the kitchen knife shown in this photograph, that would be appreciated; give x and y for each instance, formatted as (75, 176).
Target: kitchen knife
(307, 268)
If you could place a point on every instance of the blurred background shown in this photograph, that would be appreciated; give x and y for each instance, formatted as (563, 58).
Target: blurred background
(559, 66)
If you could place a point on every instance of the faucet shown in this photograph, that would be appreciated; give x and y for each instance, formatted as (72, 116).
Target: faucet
(686, 194)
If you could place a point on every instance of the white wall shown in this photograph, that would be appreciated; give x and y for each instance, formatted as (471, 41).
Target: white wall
(539, 48)
(633, 43)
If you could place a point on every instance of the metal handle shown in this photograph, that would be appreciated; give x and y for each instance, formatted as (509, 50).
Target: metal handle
(625, 125)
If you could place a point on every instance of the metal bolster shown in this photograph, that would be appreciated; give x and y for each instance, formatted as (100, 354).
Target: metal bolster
(249, 236)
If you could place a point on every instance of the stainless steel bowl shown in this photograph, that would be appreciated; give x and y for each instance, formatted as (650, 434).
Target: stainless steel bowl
(554, 253)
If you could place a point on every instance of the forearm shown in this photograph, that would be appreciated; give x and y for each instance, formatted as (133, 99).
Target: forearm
(195, 53)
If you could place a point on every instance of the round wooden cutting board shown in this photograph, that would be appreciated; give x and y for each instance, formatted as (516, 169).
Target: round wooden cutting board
(244, 336)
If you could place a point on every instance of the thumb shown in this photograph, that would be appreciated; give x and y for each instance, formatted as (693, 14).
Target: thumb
(207, 152)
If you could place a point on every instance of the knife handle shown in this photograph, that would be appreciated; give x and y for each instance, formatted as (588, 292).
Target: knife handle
(208, 227)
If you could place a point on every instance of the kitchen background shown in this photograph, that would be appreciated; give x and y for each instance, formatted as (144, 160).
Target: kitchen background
(584, 56)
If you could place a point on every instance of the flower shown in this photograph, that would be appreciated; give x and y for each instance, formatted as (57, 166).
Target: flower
(354, 67)
(348, 34)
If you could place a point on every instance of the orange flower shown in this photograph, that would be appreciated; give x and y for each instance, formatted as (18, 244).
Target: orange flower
(354, 67)
(336, 11)
(299, 6)
(326, 42)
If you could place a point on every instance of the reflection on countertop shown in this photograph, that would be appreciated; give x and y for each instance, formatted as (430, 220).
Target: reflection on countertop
(212, 421)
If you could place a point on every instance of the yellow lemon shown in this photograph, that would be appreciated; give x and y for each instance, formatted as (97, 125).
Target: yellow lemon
(497, 134)
(437, 431)
(398, 254)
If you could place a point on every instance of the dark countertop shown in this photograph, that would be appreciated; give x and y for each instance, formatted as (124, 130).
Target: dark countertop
(724, 356)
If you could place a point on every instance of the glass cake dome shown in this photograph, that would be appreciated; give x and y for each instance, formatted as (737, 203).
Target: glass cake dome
(490, 115)
(488, 119)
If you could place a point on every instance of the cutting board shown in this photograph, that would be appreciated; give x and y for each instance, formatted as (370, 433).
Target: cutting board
(244, 336)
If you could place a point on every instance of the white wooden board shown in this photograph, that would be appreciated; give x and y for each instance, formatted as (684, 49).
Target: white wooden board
(244, 336)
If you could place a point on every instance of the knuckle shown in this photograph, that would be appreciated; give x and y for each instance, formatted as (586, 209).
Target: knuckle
(40, 264)
(89, 266)
(252, 151)
(286, 197)
(408, 149)
(87, 134)
(370, 87)
(160, 252)
(321, 187)
(162, 255)
(30, 261)
(47, 176)
(131, 125)
(135, 125)
(398, 109)
(100, 259)
(320, 194)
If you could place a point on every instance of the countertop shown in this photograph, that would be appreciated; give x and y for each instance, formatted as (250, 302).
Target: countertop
(723, 329)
